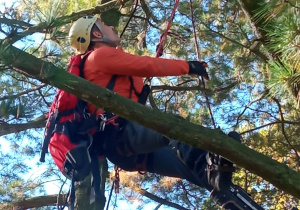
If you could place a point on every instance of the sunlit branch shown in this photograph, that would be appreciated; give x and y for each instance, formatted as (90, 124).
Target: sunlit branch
(40, 201)
(269, 124)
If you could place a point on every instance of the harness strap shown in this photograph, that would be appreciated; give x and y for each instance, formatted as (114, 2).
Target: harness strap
(112, 82)
(143, 95)
(96, 178)
(72, 192)
(141, 163)
(48, 136)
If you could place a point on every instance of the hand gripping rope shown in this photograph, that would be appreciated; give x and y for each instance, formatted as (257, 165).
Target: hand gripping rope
(239, 198)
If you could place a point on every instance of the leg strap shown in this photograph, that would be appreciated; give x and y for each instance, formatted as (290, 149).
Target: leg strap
(219, 171)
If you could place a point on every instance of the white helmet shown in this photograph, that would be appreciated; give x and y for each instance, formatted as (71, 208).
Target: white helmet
(80, 33)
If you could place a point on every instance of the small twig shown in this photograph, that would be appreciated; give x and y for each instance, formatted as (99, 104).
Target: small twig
(22, 93)
(269, 124)
(290, 3)
(248, 105)
(158, 199)
(283, 129)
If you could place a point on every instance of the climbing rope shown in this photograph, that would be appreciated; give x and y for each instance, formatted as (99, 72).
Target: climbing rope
(134, 9)
(115, 185)
(199, 59)
(159, 48)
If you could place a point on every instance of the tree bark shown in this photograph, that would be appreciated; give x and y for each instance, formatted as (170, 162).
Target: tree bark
(7, 128)
(40, 201)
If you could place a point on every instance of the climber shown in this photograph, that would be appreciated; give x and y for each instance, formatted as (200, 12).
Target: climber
(133, 147)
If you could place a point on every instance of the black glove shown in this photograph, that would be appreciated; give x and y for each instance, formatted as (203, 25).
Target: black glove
(198, 68)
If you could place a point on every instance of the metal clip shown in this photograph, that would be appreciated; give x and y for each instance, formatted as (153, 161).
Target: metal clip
(103, 122)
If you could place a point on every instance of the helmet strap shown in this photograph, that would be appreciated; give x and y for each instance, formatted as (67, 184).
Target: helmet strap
(104, 37)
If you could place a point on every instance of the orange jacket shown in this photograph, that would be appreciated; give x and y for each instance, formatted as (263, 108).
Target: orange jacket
(104, 62)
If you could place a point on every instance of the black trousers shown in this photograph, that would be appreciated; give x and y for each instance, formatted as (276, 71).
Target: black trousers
(133, 147)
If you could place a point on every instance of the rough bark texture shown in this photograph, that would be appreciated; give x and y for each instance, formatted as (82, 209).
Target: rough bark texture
(213, 140)
(40, 201)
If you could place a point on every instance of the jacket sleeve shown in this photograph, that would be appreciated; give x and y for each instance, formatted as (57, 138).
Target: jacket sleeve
(115, 61)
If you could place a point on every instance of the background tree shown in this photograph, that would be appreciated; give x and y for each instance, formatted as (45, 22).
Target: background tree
(253, 55)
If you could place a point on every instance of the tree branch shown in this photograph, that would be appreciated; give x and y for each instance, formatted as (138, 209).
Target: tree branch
(283, 130)
(14, 23)
(40, 201)
(6, 128)
(158, 199)
(249, 104)
(60, 21)
(249, 8)
(148, 12)
(213, 140)
(22, 93)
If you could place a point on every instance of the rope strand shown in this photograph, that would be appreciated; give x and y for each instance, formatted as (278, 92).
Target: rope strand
(199, 59)
(134, 9)
(163, 37)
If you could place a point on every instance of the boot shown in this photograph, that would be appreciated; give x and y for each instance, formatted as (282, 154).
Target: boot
(219, 170)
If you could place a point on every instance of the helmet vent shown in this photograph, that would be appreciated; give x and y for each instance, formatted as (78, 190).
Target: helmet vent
(81, 40)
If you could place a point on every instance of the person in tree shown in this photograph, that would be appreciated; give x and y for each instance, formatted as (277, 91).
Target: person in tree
(133, 147)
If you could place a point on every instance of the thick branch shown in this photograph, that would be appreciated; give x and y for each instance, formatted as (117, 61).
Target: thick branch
(40, 201)
(148, 12)
(169, 125)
